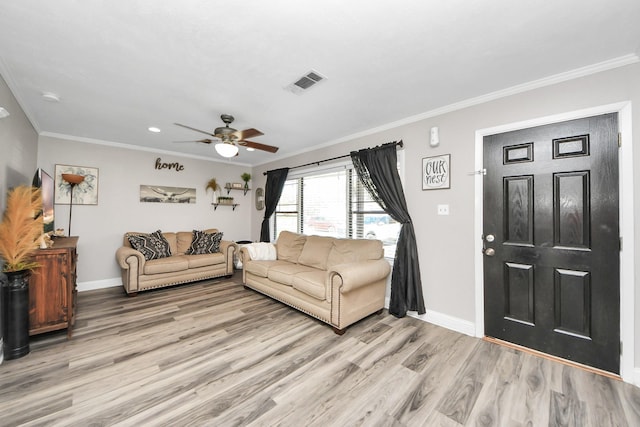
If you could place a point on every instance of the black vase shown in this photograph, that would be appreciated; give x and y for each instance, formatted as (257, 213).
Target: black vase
(15, 314)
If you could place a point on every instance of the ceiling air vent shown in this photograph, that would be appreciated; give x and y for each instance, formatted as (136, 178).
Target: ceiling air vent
(306, 81)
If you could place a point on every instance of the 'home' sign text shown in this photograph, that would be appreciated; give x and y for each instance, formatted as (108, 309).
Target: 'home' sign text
(177, 166)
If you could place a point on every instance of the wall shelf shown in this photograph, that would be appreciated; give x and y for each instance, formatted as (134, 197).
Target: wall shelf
(243, 189)
(233, 205)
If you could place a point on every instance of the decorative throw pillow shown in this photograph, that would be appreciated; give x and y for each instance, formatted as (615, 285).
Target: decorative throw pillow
(204, 243)
(152, 246)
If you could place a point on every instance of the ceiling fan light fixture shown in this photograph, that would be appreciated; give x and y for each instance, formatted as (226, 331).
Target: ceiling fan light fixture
(226, 149)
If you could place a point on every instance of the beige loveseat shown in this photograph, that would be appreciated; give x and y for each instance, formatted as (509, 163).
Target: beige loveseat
(139, 274)
(338, 281)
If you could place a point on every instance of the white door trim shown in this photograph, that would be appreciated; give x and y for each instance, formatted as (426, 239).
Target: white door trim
(627, 269)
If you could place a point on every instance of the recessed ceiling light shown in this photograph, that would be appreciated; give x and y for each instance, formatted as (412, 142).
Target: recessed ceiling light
(251, 149)
(154, 129)
(51, 97)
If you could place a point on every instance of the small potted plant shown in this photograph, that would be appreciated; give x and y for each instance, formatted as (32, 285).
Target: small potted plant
(20, 232)
(246, 177)
(225, 200)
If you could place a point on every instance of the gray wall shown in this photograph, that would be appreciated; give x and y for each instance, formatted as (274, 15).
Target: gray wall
(18, 148)
(18, 145)
(121, 172)
(446, 243)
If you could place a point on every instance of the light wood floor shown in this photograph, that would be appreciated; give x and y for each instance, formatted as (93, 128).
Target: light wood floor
(214, 353)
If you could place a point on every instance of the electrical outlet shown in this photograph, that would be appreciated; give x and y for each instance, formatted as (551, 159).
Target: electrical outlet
(443, 209)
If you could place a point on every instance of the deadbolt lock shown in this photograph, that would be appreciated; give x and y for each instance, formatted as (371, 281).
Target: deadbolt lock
(490, 238)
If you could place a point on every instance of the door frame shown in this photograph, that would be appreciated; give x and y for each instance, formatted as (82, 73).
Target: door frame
(625, 164)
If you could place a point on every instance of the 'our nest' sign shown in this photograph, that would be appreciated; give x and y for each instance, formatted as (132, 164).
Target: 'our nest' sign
(435, 172)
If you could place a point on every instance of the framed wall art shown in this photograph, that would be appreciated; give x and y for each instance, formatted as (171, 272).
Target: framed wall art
(84, 193)
(164, 194)
(436, 172)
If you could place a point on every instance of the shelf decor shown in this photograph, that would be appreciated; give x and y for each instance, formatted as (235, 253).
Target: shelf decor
(224, 200)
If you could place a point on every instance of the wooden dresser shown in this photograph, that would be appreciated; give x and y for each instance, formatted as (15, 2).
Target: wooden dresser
(52, 288)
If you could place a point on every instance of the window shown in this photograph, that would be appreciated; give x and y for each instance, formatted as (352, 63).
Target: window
(333, 203)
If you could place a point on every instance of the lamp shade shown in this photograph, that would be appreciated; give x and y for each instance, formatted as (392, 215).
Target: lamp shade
(72, 178)
(226, 149)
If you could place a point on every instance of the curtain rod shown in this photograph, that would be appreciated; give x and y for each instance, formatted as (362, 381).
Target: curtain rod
(397, 143)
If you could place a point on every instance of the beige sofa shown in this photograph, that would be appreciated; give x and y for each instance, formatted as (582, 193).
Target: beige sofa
(338, 281)
(139, 274)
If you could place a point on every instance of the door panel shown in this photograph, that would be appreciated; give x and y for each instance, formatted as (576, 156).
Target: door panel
(552, 270)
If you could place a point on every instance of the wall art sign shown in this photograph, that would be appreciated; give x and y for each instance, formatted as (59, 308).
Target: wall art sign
(163, 165)
(436, 172)
(85, 193)
(164, 194)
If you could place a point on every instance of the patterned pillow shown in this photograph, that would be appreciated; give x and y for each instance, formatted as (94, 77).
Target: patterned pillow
(204, 243)
(152, 246)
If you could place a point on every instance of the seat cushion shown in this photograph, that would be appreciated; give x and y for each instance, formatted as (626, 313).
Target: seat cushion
(166, 265)
(316, 251)
(312, 283)
(205, 260)
(284, 273)
(260, 268)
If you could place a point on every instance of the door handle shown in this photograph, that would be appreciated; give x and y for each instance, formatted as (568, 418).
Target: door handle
(489, 252)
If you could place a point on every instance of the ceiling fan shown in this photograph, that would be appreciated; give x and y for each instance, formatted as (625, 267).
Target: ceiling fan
(229, 138)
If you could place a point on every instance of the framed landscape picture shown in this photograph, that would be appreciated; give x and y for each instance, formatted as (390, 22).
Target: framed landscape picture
(436, 172)
(164, 194)
(85, 193)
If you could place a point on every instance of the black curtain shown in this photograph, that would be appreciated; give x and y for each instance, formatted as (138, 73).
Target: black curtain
(378, 171)
(272, 191)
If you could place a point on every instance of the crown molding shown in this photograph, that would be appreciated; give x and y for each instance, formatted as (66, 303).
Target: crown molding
(136, 148)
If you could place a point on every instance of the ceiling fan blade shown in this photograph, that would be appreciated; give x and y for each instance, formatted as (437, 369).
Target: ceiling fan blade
(206, 141)
(197, 130)
(258, 146)
(247, 133)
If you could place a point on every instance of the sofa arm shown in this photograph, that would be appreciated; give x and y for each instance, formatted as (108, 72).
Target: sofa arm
(244, 255)
(132, 264)
(125, 256)
(357, 274)
(228, 248)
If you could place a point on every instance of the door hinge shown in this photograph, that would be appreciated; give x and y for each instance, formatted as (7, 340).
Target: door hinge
(619, 139)
(621, 348)
(620, 244)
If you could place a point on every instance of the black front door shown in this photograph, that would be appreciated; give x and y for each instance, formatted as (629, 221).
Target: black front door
(551, 237)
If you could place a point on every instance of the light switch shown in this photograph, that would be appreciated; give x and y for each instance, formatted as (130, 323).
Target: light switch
(443, 209)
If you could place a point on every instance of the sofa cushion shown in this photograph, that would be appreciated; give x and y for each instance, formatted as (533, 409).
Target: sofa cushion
(289, 245)
(316, 251)
(166, 265)
(284, 273)
(204, 243)
(312, 283)
(261, 268)
(354, 250)
(183, 240)
(152, 246)
(204, 260)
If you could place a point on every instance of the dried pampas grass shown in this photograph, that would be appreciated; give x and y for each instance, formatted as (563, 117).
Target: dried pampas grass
(21, 228)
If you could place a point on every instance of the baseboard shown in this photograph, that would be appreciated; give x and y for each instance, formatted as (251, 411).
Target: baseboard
(636, 377)
(99, 284)
(440, 319)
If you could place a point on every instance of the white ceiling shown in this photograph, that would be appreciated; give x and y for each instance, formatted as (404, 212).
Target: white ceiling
(120, 66)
